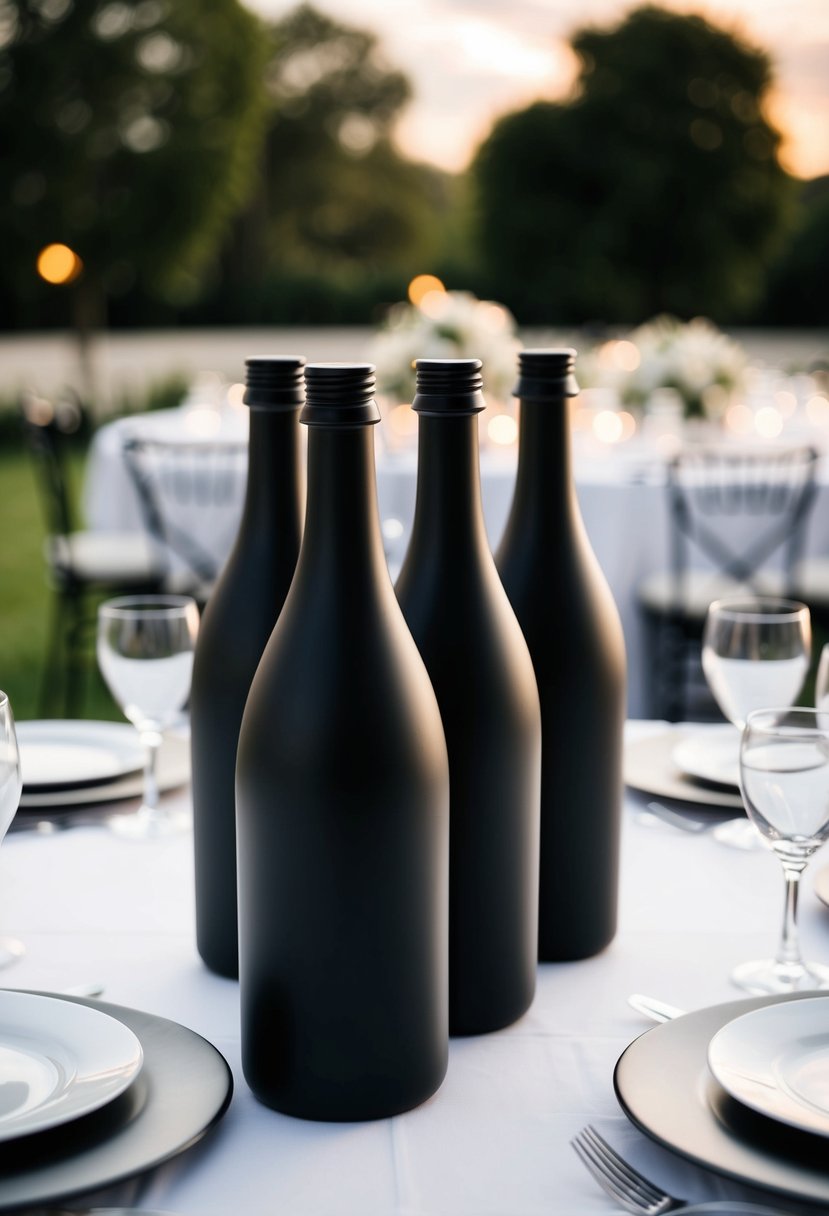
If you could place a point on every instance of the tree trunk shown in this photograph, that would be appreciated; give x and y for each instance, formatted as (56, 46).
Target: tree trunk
(89, 316)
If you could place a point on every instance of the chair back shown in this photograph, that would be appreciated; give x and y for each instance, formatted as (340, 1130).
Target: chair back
(191, 495)
(47, 428)
(740, 511)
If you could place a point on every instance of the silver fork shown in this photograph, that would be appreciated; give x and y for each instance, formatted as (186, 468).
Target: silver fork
(635, 1192)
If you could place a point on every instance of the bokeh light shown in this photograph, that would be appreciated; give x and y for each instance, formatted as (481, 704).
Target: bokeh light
(621, 354)
(422, 285)
(768, 422)
(495, 315)
(739, 418)
(236, 396)
(628, 425)
(436, 304)
(403, 421)
(502, 429)
(392, 528)
(626, 356)
(203, 421)
(817, 410)
(608, 426)
(581, 417)
(58, 264)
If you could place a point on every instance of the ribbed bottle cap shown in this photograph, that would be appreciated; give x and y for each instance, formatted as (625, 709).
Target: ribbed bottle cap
(448, 386)
(546, 373)
(274, 383)
(339, 394)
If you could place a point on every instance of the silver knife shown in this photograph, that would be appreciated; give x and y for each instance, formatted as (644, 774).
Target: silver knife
(657, 1011)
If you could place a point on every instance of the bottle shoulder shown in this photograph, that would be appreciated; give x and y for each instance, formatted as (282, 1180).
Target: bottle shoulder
(466, 599)
(472, 644)
(345, 669)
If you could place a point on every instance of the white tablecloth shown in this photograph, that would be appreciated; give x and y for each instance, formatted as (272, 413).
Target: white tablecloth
(621, 494)
(494, 1140)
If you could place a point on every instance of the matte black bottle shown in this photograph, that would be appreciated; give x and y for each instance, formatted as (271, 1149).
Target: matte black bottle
(342, 810)
(236, 624)
(575, 638)
(481, 671)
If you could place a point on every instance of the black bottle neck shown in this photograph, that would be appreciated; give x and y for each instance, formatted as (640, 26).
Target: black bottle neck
(544, 486)
(273, 487)
(342, 519)
(449, 514)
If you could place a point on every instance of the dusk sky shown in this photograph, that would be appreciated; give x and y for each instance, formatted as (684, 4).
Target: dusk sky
(471, 60)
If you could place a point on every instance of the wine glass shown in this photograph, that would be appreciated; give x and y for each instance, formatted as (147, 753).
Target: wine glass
(784, 780)
(145, 653)
(10, 788)
(755, 653)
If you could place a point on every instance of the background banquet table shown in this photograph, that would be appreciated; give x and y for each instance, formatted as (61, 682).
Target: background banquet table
(621, 492)
(494, 1140)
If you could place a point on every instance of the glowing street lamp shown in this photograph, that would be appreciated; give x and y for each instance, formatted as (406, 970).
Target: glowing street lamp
(58, 264)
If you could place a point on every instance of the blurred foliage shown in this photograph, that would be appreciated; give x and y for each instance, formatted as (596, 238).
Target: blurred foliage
(657, 188)
(797, 289)
(336, 220)
(340, 216)
(25, 595)
(129, 133)
(212, 169)
(165, 393)
(162, 393)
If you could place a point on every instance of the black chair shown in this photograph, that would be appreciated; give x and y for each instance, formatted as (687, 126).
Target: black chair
(191, 495)
(83, 566)
(737, 526)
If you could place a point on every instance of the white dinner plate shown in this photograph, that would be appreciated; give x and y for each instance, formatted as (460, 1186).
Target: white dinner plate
(711, 754)
(649, 767)
(67, 755)
(775, 1060)
(58, 1061)
(173, 771)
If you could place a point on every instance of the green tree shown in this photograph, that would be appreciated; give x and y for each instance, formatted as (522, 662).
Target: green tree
(657, 188)
(130, 131)
(798, 292)
(337, 202)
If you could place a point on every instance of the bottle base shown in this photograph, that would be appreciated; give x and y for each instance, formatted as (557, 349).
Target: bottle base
(467, 1027)
(339, 1107)
(225, 970)
(219, 957)
(567, 952)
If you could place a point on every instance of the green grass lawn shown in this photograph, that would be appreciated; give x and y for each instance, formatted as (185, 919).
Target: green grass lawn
(25, 595)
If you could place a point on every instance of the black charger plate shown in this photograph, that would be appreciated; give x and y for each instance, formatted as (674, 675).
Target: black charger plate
(664, 1086)
(184, 1087)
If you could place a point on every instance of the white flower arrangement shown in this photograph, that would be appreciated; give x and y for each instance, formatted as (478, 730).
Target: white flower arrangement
(695, 359)
(446, 325)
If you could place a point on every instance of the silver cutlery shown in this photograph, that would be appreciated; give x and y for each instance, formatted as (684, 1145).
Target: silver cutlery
(94, 988)
(657, 1011)
(736, 832)
(639, 1195)
(674, 819)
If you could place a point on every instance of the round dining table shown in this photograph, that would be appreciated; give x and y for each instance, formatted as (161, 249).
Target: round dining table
(90, 905)
(620, 488)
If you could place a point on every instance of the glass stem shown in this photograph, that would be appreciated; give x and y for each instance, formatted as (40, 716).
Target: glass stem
(788, 952)
(152, 742)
